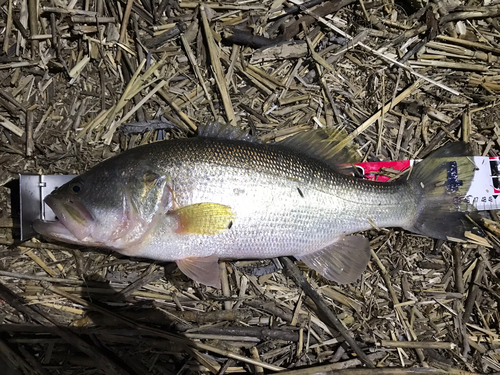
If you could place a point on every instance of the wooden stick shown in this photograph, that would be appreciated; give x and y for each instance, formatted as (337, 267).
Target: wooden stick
(218, 74)
(14, 359)
(11, 126)
(325, 370)
(255, 355)
(457, 262)
(450, 65)
(225, 285)
(470, 13)
(8, 28)
(123, 30)
(473, 291)
(33, 22)
(230, 354)
(17, 65)
(194, 64)
(40, 262)
(29, 133)
(468, 43)
(10, 98)
(214, 5)
(462, 51)
(438, 138)
(418, 344)
(327, 316)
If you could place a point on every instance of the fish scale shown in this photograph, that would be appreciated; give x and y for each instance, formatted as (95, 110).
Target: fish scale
(225, 195)
(272, 218)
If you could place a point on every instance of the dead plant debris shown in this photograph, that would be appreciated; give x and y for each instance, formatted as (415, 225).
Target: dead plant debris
(401, 78)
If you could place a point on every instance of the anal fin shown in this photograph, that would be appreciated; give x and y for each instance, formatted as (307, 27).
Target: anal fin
(204, 270)
(343, 261)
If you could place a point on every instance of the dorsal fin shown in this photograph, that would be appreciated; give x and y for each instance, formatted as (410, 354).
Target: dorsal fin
(223, 131)
(320, 144)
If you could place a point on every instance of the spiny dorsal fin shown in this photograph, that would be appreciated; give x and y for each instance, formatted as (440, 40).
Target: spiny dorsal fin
(223, 131)
(320, 144)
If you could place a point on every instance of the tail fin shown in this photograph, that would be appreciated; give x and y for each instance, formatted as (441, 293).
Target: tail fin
(442, 181)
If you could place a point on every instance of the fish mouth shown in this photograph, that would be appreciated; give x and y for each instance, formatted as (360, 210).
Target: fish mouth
(55, 230)
(74, 224)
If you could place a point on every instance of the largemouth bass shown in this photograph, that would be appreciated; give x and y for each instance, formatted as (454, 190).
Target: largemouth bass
(226, 195)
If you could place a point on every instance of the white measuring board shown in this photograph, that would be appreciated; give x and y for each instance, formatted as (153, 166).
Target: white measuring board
(484, 192)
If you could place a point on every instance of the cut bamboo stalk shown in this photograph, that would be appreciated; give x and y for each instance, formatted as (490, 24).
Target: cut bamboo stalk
(123, 30)
(196, 68)
(468, 43)
(7, 124)
(450, 65)
(419, 344)
(217, 67)
(8, 27)
(33, 22)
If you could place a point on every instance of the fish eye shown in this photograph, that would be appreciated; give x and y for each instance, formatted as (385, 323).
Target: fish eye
(76, 187)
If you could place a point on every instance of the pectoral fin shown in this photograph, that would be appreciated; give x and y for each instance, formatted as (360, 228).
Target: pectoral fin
(343, 261)
(204, 270)
(204, 218)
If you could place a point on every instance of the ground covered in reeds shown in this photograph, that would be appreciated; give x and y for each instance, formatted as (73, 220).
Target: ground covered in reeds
(401, 78)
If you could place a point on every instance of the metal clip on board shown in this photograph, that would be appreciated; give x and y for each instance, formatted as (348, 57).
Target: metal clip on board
(33, 189)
